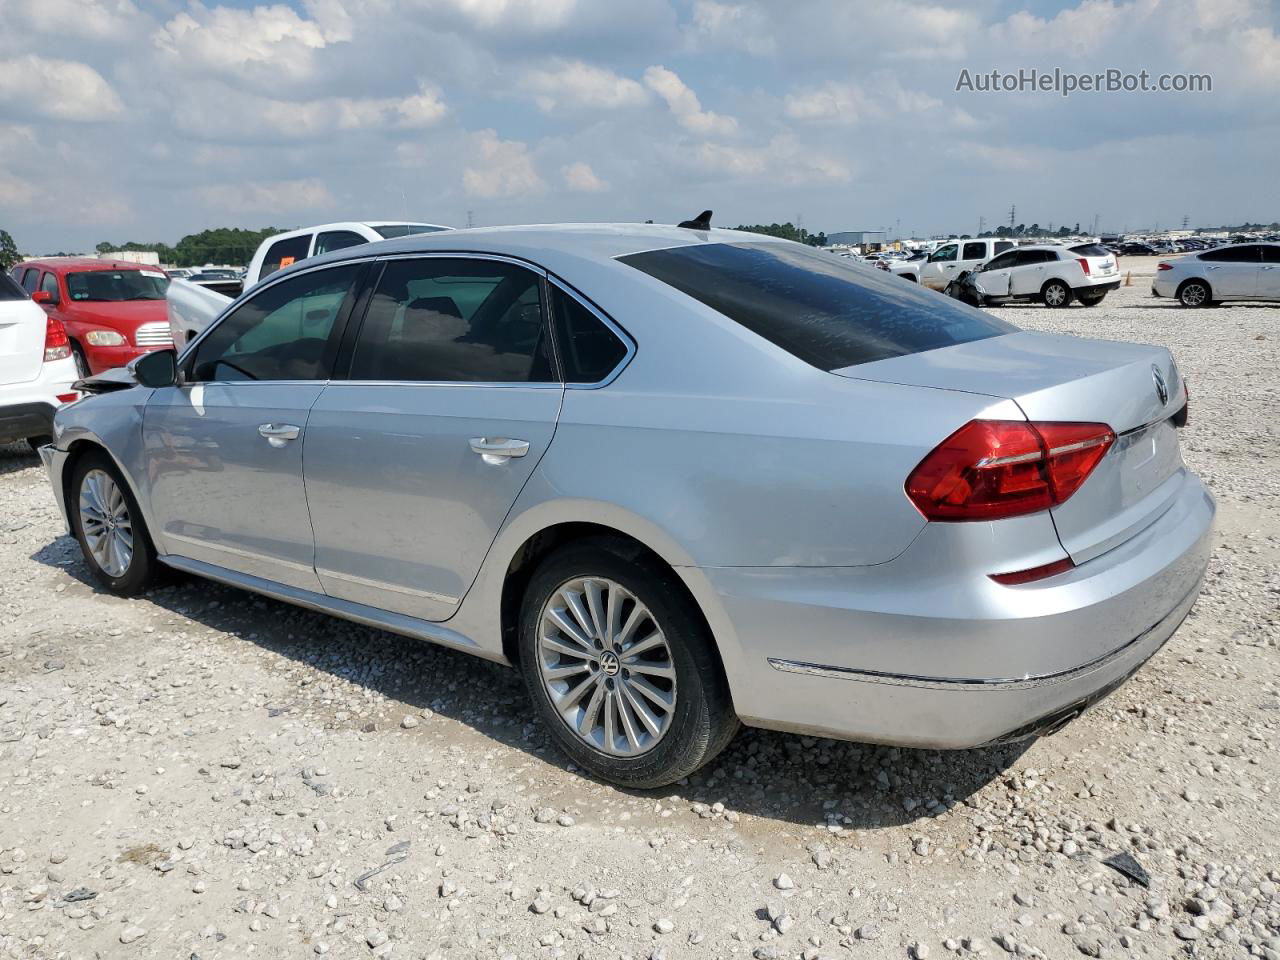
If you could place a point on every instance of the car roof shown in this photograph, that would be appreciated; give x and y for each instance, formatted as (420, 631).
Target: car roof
(350, 224)
(63, 264)
(546, 244)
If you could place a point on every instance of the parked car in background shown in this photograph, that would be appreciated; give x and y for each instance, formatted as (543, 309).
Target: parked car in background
(179, 273)
(190, 311)
(1245, 271)
(948, 261)
(113, 311)
(1051, 274)
(36, 369)
(1133, 248)
(910, 522)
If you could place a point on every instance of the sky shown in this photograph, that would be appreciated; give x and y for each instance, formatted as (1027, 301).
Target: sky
(146, 120)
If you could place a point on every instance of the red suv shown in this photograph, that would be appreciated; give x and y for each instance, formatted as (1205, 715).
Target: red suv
(113, 311)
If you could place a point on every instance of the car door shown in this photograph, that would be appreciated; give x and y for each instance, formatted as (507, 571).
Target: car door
(994, 279)
(414, 458)
(1028, 274)
(940, 268)
(1269, 273)
(223, 448)
(972, 254)
(1233, 272)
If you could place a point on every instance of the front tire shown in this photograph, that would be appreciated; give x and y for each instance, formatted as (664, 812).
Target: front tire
(82, 363)
(1194, 293)
(1056, 295)
(106, 520)
(620, 666)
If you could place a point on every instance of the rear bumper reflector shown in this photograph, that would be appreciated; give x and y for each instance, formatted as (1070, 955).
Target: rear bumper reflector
(1034, 573)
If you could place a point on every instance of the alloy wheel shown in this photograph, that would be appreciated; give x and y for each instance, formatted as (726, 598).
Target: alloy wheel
(1055, 295)
(606, 666)
(105, 520)
(1194, 294)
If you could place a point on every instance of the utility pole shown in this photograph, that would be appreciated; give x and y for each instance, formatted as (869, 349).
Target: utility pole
(1013, 212)
(982, 225)
(1095, 224)
(1186, 220)
(471, 218)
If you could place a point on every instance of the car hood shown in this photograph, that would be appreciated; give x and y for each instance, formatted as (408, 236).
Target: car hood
(123, 315)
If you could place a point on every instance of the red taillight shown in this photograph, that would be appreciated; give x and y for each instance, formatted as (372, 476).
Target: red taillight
(56, 344)
(1084, 265)
(1035, 573)
(1164, 266)
(990, 469)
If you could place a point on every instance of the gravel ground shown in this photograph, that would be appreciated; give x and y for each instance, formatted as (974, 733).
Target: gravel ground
(204, 773)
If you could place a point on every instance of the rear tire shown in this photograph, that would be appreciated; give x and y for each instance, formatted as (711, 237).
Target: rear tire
(1092, 301)
(1195, 293)
(106, 520)
(586, 682)
(1056, 295)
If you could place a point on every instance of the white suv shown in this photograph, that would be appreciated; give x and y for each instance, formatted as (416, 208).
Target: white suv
(1053, 275)
(36, 369)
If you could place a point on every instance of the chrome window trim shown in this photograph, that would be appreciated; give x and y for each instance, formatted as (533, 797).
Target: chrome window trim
(462, 255)
(530, 384)
(627, 340)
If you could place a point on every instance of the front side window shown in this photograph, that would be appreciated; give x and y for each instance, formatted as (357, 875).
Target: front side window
(49, 284)
(589, 350)
(945, 254)
(974, 251)
(1271, 253)
(285, 253)
(822, 309)
(279, 334)
(454, 320)
(332, 240)
(117, 285)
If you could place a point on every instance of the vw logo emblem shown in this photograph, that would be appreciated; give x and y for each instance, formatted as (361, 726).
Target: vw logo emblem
(1162, 389)
(610, 665)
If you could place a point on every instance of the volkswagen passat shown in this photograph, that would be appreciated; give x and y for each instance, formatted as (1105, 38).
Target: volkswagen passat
(681, 478)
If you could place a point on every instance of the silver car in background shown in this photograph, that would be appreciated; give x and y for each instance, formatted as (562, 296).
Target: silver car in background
(681, 478)
(1241, 271)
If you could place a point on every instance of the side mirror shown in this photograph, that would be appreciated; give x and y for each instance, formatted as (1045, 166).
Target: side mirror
(44, 296)
(156, 369)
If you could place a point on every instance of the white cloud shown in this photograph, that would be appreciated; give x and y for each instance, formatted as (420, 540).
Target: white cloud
(62, 89)
(581, 178)
(504, 168)
(99, 19)
(266, 197)
(538, 14)
(734, 24)
(849, 103)
(229, 39)
(573, 83)
(782, 160)
(684, 104)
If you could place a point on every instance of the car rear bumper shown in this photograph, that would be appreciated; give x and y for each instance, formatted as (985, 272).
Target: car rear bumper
(891, 654)
(1104, 287)
(18, 421)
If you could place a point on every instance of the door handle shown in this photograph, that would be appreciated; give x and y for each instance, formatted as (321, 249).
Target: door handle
(1272, 267)
(1210, 268)
(278, 434)
(498, 450)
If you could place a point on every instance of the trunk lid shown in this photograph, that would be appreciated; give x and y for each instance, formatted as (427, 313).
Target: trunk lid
(1064, 378)
(22, 327)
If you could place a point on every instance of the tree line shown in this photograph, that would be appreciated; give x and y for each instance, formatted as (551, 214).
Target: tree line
(232, 245)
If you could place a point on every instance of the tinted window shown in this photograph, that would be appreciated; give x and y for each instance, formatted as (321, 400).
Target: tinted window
(589, 350)
(454, 320)
(280, 334)
(817, 307)
(337, 240)
(944, 254)
(1245, 254)
(9, 289)
(1271, 254)
(974, 251)
(1090, 250)
(49, 284)
(1003, 245)
(1029, 257)
(117, 285)
(30, 280)
(284, 253)
(390, 230)
(1002, 262)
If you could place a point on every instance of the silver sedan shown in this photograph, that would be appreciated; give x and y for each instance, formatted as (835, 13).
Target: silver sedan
(680, 478)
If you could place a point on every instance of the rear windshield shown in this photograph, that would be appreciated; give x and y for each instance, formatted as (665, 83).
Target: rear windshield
(828, 311)
(390, 230)
(9, 289)
(1091, 250)
(117, 285)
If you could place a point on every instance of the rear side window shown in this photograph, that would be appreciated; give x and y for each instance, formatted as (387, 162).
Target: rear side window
(9, 289)
(589, 350)
(824, 310)
(1003, 245)
(332, 240)
(1246, 254)
(1090, 250)
(1002, 262)
(284, 253)
(447, 319)
(280, 333)
(1271, 254)
(389, 231)
(974, 251)
(31, 279)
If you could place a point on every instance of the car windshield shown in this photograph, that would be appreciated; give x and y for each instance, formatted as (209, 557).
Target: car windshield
(1091, 250)
(389, 230)
(116, 285)
(824, 310)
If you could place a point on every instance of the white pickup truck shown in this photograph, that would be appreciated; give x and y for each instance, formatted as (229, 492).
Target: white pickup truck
(192, 307)
(954, 257)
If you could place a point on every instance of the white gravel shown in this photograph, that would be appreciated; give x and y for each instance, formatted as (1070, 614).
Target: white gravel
(203, 773)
